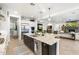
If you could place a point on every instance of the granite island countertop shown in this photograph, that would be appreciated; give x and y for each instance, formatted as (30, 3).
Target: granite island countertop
(49, 39)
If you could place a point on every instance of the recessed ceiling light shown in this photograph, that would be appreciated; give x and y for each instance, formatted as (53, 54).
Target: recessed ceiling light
(33, 4)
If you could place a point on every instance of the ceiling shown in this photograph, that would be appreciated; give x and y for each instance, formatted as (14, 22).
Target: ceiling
(25, 9)
(40, 10)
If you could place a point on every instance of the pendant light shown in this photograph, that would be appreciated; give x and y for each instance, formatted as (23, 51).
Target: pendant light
(49, 19)
(49, 26)
(40, 14)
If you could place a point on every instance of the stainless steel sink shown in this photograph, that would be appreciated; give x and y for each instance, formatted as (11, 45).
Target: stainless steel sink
(1, 40)
(34, 35)
(57, 37)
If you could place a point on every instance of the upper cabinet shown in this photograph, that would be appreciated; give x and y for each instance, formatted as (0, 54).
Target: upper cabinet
(2, 15)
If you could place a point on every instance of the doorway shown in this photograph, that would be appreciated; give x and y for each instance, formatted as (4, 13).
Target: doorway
(14, 28)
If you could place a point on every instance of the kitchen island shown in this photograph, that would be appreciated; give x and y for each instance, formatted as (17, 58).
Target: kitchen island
(42, 45)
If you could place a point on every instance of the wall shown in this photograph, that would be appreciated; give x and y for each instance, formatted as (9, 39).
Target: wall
(30, 24)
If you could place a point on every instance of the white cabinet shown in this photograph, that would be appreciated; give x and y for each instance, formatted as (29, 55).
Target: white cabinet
(77, 36)
(2, 15)
(2, 49)
(3, 46)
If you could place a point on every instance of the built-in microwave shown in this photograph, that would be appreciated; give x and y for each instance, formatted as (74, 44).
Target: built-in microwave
(32, 29)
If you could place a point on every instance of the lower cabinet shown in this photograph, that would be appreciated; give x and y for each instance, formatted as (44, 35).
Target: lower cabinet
(40, 48)
(29, 42)
(48, 49)
(45, 49)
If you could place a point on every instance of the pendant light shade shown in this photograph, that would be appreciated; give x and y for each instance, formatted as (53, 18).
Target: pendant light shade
(49, 19)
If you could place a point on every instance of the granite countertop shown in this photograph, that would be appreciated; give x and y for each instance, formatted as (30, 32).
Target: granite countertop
(47, 38)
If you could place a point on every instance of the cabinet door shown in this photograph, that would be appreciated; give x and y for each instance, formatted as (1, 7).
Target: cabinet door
(26, 41)
(45, 49)
(48, 49)
(52, 49)
(29, 42)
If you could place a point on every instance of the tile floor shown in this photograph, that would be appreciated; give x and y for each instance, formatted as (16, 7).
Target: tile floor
(67, 47)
